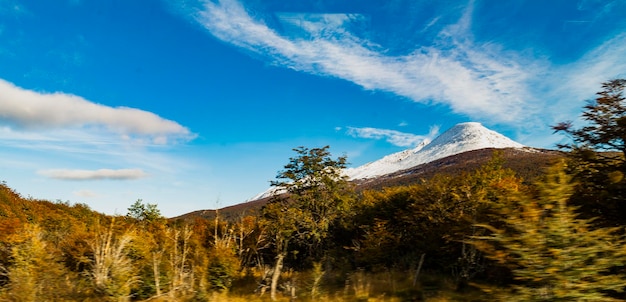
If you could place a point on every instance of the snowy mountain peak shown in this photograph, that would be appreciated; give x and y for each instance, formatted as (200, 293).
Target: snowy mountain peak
(458, 139)
(471, 136)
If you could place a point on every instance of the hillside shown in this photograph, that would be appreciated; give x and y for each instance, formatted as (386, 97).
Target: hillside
(460, 138)
(463, 147)
(528, 163)
(14, 208)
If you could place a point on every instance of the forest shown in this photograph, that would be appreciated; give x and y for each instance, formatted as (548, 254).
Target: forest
(480, 235)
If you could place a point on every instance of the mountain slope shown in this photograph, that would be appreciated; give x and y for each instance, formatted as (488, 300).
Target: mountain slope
(458, 139)
(526, 162)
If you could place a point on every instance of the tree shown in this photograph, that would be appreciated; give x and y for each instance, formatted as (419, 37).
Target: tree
(598, 152)
(223, 263)
(144, 212)
(319, 192)
(180, 267)
(112, 270)
(607, 121)
(299, 220)
(553, 254)
(36, 272)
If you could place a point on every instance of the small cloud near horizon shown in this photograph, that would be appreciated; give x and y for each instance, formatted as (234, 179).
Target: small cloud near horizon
(85, 193)
(397, 138)
(110, 174)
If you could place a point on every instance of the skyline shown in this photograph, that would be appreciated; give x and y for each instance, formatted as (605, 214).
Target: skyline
(196, 105)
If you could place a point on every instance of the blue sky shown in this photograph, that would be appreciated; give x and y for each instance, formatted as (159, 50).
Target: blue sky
(197, 104)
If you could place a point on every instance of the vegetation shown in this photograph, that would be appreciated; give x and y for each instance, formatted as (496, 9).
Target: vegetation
(300, 221)
(598, 154)
(553, 255)
(481, 235)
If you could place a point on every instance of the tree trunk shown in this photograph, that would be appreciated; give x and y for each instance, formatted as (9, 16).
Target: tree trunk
(276, 274)
(419, 268)
(156, 260)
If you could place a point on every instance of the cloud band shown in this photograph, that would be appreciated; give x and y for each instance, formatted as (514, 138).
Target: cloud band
(121, 174)
(28, 109)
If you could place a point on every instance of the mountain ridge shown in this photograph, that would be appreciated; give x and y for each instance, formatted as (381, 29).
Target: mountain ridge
(528, 163)
(460, 138)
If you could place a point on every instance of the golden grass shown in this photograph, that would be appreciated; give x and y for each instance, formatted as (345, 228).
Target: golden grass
(359, 286)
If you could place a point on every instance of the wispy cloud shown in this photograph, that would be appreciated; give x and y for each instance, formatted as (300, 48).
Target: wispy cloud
(26, 109)
(564, 89)
(400, 139)
(74, 130)
(483, 80)
(92, 148)
(66, 174)
(606, 60)
(473, 79)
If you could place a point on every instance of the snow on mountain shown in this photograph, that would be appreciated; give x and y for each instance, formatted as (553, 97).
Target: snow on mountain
(267, 193)
(458, 139)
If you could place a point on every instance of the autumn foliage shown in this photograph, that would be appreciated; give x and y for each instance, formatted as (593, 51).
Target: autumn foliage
(483, 234)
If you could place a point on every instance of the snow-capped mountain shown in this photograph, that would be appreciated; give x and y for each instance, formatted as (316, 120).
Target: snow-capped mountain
(458, 139)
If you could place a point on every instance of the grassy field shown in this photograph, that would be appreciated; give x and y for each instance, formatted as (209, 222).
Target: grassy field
(387, 286)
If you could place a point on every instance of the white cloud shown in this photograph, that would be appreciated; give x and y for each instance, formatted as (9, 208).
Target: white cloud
(26, 109)
(595, 67)
(66, 174)
(70, 147)
(480, 79)
(477, 80)
(565, 89)
(85, 193)
(394, 137)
